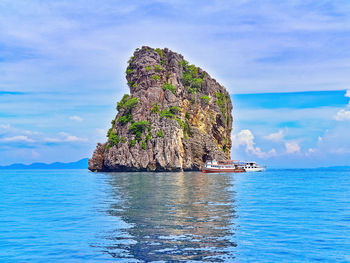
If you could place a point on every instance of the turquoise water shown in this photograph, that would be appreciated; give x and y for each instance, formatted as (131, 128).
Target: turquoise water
(78, 216)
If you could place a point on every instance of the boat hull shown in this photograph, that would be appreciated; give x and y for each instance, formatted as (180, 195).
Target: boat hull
(256, 169)
(213, 170)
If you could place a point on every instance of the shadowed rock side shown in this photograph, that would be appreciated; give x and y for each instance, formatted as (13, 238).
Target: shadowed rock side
(176, 117)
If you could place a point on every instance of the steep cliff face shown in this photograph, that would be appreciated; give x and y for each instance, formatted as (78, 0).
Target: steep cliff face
(176, 117)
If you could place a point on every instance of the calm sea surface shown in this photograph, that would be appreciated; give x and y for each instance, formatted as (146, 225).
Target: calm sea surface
(78, 216)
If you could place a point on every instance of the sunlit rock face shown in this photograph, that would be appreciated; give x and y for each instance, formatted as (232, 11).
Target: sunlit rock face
(176, 117)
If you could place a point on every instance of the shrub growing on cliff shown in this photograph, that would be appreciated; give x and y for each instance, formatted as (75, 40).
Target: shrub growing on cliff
(113, 139)
(148, 136)
(109, 132)
(131, 103)
(138, 127)
(187, 129)
(197, 83)
(155, 77)
(175, 109)
(183, 63)
(128, 71)
(131, 59)
(132, 142)
(190, 78)
(157, 68)
(120, 104)
(180, 122)
(167, 86)
(122, 139)
(148, 68)
(155, 108)
(160, 134)
(159, 51)
(166, 114)
(143, 145)
(125, 119)
(221, 101)
(205, 99)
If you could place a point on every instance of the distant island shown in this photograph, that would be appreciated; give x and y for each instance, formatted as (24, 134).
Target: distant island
(176, 117)
(81, 164)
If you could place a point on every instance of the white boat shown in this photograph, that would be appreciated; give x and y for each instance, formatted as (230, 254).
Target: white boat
(227, 166)
(253, 167)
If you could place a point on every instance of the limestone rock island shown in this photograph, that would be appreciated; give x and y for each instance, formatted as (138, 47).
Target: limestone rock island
(175, 119)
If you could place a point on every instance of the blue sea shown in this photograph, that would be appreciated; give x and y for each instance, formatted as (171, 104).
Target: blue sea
(79, 216)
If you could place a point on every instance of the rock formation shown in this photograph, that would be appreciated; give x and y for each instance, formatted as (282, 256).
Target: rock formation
(176, 117)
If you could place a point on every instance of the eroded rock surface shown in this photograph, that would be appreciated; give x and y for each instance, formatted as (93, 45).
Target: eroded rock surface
(176, 117)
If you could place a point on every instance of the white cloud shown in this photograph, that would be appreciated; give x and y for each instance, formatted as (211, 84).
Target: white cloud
(65, 137)
(347, 94)
(75, 118)
(246, 138)
(19, 138)
(342, 115)
(292, 147)
(5, 126)
(277, 136)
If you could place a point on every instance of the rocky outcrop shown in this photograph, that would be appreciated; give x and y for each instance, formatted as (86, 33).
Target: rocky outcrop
(176, 117)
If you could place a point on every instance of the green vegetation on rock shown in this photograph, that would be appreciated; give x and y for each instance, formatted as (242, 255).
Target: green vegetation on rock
(175, 109)
(155, 108)
(222, 100)
(157, 68)
(130, 103)
(125, 119)
(180, 122)
(148, 136)
(205, 99)
(148, 68)
(122, 139)
(113, 139)
(132, 142)
(155, 77)
(120, 104)
(143, 145)
(127, 104)
(166, 114)
(167, 86)
(128, 71)
(190, 78)
(159, 51)
(160, 134)
(137, 128)
(187, 129)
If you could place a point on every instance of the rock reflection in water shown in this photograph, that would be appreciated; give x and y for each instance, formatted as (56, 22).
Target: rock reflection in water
(172, 217)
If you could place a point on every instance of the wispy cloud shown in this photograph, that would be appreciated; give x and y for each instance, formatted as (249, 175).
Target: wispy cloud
(292, 147)
(19, 138)
(75, 118)
(277, 136)
(64, 137)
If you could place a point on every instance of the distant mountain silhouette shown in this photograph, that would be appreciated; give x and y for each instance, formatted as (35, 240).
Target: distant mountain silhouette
(81, 164)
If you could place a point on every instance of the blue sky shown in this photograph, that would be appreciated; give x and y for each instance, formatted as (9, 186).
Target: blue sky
(286, 63)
